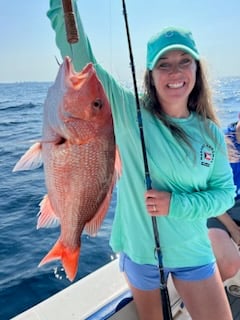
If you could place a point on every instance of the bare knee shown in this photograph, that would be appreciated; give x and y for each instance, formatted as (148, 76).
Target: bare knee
(229, 270)
(148, 303)
(228, 259)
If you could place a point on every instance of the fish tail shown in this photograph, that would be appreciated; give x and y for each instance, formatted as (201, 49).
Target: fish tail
(69, 258)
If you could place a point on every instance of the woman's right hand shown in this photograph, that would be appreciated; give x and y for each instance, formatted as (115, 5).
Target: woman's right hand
(157, 202)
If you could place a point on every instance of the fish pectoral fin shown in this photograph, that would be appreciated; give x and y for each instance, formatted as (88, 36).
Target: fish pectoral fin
(32, 159)
(46, 216)
(68, 256)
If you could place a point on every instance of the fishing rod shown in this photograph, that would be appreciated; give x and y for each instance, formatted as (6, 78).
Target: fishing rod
(166, 307)
(70, 23)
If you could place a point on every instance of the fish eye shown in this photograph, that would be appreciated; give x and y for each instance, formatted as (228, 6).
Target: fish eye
(97, 104)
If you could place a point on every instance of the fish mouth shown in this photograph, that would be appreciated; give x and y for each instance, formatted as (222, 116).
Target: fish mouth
(88, 69)
(75, 79)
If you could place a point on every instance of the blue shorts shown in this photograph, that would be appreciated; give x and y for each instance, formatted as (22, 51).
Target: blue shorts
(147, 277)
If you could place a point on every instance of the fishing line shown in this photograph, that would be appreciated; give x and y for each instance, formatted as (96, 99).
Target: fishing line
(167, 314)
(110, 34)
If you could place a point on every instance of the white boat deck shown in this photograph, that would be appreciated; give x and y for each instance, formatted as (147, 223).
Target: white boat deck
(98, 295)
(82, 298)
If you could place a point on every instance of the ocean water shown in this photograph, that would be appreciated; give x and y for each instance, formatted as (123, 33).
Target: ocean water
(22, 283)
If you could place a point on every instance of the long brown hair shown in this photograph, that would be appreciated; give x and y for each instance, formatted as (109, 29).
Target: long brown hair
(199, 101)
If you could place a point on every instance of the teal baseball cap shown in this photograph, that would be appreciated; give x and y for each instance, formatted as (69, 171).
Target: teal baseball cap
(170, 38)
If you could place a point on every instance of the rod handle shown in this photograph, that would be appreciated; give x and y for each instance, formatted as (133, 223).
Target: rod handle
(70, 22)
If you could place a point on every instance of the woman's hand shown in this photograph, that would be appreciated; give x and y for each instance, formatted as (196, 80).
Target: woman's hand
(157, 202)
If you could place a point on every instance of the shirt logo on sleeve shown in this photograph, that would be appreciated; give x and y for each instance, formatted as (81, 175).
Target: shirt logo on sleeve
(206, 155)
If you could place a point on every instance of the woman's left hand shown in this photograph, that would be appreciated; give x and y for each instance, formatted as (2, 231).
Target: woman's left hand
(157, 202)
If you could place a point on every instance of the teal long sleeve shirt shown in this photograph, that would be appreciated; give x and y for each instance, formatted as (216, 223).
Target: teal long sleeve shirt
(200, 182)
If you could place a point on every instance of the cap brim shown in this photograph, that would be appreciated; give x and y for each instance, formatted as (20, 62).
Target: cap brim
(194, 54)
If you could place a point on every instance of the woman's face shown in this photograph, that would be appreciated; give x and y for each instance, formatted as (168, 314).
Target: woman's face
(174, 77)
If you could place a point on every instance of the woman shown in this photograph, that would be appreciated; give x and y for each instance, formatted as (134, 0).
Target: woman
(190, 173)
(225, 228)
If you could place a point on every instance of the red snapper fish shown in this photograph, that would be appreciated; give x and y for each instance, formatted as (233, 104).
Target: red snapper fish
(80, 161)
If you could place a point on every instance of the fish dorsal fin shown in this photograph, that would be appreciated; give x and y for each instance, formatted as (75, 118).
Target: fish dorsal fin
(46, 216)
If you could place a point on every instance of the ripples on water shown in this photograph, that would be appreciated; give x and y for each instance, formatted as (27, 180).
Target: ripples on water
(22, 247)
(227, 99)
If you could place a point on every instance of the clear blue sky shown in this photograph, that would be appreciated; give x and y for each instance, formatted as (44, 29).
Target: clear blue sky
(28, 46)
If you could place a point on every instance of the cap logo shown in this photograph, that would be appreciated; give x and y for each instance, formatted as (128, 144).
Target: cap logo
(169, 34)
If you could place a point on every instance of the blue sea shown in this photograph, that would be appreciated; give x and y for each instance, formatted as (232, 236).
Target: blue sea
(22, 283)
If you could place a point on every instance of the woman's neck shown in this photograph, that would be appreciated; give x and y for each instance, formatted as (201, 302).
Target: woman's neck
(176, 111)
